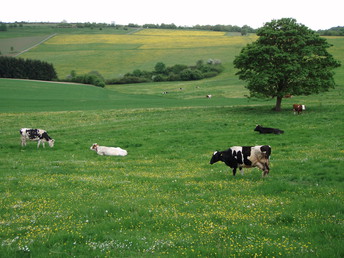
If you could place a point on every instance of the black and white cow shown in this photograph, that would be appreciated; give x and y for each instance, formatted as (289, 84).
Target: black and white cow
(35, 135)
(245, 156)
(265, 130)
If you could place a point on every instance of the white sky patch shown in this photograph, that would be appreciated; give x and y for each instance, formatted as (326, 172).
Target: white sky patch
(314, 14)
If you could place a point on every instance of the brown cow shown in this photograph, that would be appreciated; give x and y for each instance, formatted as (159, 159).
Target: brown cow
(298, 108)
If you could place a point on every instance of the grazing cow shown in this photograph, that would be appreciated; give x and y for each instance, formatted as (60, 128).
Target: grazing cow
(287, 96)
(298, 108)
(108, 151)
(208, 96)
(245, 156)
(35, 135)
(265, 130)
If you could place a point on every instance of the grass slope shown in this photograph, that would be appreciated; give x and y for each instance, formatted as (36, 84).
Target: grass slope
(164, 199)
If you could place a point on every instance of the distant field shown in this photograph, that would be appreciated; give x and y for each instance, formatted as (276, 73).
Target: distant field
(114, 55)
(12, 47)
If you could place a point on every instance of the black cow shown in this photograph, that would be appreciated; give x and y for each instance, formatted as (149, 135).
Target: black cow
(35, 135)
(265, 130)
(245, 156)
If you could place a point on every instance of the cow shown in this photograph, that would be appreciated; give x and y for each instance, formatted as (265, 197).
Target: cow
(108, 151)
(208, 96)
(265, 130)
(245, 156)
(36, 135)
(288, 96)
(298, 108)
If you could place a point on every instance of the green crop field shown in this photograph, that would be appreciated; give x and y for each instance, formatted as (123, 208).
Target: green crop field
(164, 199)
(114, 55)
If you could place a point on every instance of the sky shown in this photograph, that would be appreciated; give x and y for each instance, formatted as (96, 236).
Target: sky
(254, 13)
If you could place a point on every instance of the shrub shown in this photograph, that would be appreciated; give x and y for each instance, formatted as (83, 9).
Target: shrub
(93, 78)
(189, 74)
(127, 79)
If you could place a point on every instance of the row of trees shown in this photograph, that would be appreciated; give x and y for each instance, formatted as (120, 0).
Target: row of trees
(20, 68)
(64, 24)
(227, 28)
(335, 31)
(176, 72)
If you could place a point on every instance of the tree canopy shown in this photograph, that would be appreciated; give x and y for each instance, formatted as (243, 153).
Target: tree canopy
(287, 58)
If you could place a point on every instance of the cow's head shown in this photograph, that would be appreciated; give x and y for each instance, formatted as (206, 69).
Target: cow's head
(51, 143)
(94, 146)
(216, 157)
(303, 107)
(257, 128)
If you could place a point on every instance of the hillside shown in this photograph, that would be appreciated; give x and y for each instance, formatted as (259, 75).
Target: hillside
(164, 199)
(114, 55)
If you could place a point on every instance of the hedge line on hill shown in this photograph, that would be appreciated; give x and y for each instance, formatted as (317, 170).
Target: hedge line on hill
(20, 68)
(176, 72)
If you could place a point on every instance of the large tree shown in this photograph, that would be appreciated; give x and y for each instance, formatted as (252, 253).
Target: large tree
(287, 58)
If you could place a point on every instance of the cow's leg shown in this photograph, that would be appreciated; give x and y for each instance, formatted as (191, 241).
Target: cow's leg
(263, 168)
(241, 171)
(39, 143)
(234, 171)
(23, 141)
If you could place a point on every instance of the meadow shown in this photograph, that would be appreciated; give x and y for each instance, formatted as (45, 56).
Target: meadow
(164, 199)
(114, 55)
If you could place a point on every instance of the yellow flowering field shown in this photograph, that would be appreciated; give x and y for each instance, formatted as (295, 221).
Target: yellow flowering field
(114, 55)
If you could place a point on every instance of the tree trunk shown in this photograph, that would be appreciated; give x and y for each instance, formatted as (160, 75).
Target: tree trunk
(278, 104)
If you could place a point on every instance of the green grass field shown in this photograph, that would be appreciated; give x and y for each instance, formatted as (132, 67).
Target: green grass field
(164, 199)
(114, 55)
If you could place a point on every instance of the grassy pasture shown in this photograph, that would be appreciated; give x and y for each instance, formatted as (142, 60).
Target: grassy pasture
(114, 55)
(164, 199)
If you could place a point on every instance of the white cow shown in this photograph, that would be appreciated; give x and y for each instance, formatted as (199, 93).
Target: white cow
(108, 151)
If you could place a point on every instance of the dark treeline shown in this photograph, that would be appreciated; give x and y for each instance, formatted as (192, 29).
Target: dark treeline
(177, 72)
(20, 68)
(227, 28)
(335, 31)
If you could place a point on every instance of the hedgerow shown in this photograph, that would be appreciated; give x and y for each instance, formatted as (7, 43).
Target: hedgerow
(176, 72)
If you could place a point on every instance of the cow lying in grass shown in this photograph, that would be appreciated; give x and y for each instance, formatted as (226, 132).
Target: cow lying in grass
(265, 130)
(35, 135)
(108, 151)
(245, 156)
